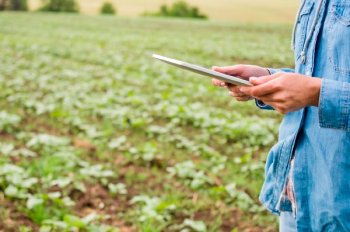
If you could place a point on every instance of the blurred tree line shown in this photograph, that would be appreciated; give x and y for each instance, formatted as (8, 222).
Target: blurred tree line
(60, 6)
(108, 8)
(17, 5)
(48, 5)
(179, 9)
(53, 6)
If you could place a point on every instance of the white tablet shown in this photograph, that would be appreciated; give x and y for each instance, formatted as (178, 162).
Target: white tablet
(203, 71)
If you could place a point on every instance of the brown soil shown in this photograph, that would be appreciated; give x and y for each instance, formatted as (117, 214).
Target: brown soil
(84, 144)
(11, 219)
(97, 200)
(234, 219)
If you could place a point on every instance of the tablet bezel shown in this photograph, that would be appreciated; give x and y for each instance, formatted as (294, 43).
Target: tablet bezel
(203, 71)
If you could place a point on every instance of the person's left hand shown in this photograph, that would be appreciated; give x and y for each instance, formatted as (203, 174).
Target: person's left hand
(285, 92)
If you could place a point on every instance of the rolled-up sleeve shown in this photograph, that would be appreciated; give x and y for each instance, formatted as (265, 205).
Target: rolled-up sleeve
(334, 104)
(262, 105)
(272, 71)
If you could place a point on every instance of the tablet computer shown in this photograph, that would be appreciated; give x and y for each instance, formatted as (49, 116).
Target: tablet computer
(203, 71)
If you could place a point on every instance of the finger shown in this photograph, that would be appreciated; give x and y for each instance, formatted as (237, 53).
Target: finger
(275, 106)
(281, 107)
(233, 88)
(260, 90)
(243, 98)
(230, 70)
(234, 94)
(263, 79)
(219, 83)
(271, 98)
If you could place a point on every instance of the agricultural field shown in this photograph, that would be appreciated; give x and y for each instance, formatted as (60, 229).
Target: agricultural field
(226, 10)
(97, 136)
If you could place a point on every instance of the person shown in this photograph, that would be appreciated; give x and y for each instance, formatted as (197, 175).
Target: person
(307, 173)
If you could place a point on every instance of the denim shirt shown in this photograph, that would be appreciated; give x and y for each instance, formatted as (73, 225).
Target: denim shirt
(317, 137)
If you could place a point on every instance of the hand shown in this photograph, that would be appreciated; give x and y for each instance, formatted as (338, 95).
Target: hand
(243, 71)
(285, 92)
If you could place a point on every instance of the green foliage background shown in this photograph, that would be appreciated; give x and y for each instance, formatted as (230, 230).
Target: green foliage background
(60, 6)
(108, 8)
(14, 5)
(179, 9)
(98, 136)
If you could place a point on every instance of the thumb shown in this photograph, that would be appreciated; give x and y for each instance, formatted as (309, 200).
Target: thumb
(221, 69)
(229, 70)
(262, 80)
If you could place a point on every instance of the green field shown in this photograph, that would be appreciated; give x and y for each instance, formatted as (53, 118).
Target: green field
(227, 10)
(97, 136)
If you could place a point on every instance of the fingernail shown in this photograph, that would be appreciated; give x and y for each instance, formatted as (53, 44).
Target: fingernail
(241, 89)
(252, 78)
(223, 84)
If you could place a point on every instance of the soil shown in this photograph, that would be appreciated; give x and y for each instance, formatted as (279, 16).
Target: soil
(11, 219)
(96, 199)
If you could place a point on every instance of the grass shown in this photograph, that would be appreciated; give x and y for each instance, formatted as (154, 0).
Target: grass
(97, 136)
(227, 10)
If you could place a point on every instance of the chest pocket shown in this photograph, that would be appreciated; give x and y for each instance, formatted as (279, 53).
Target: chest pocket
(302, 27)
(339, 43)
(341, 11)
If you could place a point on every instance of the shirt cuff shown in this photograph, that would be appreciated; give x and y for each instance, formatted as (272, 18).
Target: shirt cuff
(273, 70)
(334, 104)
(262, 105)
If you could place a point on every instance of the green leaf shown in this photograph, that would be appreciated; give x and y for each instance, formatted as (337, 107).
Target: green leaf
(198, 226)
(11, 191)
(74, 221)
(34, 201)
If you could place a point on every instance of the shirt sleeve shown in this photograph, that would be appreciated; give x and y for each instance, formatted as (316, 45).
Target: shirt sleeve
(272, 71)
(334, 104)
(262, 105)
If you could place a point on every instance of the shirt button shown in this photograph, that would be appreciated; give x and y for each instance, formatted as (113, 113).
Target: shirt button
(308, 73)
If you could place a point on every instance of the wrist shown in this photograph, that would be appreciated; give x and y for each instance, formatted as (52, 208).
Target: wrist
(269, 72)
(314, 91)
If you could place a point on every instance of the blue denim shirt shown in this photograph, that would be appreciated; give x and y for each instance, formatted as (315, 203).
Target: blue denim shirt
(317, 137)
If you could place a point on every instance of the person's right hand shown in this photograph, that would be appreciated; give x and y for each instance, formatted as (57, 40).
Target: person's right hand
(242, 71)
